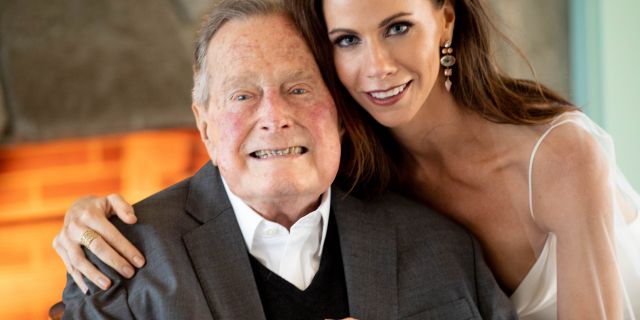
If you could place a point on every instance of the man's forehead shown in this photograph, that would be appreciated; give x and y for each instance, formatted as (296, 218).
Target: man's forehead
(256, 34)
(252, 76)
(250, 47)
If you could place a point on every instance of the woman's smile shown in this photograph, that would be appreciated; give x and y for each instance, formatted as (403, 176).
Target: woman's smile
(390, 96)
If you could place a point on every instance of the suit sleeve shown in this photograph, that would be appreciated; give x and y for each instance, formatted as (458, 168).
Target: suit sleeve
(492, 301)
(97, 304)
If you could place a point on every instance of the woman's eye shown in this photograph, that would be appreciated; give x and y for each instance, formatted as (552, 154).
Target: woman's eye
(347, 41)
(398, 28)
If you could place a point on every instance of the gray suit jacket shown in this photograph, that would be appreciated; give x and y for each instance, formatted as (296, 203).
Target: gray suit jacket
(401, 261)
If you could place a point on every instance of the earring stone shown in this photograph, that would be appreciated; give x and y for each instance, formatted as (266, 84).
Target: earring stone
(447, 61)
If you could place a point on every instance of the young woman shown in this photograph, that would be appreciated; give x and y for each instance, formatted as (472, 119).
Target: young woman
(531, 176)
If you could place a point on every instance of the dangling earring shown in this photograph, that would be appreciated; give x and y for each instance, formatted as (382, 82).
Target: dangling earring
(447, 61)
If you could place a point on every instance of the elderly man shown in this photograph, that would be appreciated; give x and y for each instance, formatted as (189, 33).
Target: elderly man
(258, 233)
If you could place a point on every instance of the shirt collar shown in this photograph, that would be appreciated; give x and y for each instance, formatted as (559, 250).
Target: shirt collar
(249, 219)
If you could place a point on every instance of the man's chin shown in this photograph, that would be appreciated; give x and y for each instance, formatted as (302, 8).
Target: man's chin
(285, 189)
(279, 185)
(283, 173)
(283, 198)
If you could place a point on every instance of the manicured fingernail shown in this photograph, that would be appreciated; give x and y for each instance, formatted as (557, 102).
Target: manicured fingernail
(103, 283)
(138, 261)
(128, 272)
(84, 289)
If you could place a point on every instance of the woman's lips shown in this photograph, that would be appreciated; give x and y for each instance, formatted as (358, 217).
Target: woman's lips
(390, 96)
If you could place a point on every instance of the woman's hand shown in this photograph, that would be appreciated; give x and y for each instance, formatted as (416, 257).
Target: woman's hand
(92, 213)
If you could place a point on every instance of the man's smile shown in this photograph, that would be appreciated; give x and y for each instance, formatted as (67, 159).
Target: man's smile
(270, 153)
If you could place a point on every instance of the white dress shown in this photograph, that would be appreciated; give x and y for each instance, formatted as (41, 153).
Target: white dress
(536, 296)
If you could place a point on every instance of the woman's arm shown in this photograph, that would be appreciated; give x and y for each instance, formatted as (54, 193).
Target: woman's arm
(573, 199)
(111, 247)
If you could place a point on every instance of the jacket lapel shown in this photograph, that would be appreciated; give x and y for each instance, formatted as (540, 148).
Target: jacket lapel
(368, 245)
(218, 252)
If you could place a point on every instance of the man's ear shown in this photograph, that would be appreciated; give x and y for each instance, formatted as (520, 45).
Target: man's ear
(200, 123)
(203, 127)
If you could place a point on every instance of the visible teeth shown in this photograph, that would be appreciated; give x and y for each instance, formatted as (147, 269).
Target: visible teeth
(389, 93)
(263, 154)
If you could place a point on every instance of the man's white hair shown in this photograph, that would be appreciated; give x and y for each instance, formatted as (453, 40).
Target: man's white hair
(224, 11)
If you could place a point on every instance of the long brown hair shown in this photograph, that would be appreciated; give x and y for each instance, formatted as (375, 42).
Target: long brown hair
(370, 155)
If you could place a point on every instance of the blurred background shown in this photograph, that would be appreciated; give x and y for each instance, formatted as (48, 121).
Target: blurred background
(95, 99)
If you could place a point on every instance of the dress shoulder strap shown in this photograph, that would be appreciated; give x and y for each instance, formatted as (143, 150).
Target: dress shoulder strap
(554, 124)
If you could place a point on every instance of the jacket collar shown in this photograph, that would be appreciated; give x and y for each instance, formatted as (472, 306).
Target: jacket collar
(221, 261)
(218, 252)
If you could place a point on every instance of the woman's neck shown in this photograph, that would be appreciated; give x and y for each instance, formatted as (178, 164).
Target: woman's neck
(444, 130)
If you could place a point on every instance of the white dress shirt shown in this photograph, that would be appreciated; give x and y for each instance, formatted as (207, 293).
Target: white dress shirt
(293, 254)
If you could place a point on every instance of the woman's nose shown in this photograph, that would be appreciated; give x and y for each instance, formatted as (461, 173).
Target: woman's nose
(379, 63)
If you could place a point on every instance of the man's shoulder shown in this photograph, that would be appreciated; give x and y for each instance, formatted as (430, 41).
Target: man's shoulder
(418, 225)
(159, 214)
(164, 201)
(410, 213)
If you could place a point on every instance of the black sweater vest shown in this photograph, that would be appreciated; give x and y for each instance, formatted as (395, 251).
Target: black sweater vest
(326, 296)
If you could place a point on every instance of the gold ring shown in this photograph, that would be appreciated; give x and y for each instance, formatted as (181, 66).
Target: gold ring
(88, 236)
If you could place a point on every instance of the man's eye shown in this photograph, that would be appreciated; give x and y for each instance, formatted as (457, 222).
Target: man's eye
(299, 91)
(347, 41)
(398, 28)
(241, 97)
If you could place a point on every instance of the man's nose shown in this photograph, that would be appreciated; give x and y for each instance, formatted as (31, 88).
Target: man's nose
(275, 113)
(379, 63)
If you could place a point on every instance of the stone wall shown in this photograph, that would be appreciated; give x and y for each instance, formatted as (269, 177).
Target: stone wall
(77, 68)
(3, 112)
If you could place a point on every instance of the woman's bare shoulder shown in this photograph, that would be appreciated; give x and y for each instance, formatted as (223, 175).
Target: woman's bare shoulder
(569, 178)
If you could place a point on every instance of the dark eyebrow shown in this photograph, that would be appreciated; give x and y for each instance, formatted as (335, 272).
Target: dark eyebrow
(343, 30)
(391, 18)
(383, 23)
